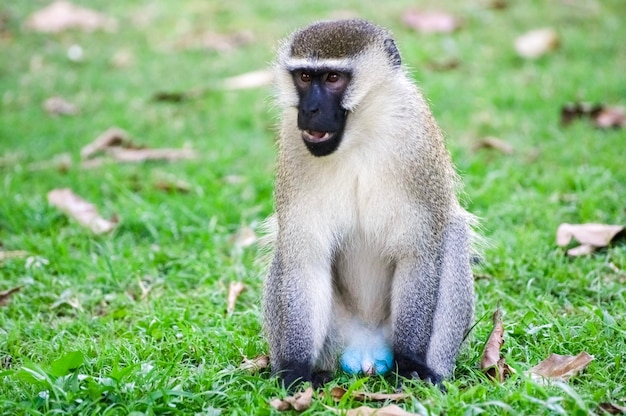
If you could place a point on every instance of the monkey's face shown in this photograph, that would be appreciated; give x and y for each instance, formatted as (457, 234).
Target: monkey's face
(321, 116)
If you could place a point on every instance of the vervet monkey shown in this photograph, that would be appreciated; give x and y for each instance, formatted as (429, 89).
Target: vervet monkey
(371, 262)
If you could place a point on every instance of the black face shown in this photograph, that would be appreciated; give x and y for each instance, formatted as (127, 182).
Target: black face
(321, 117)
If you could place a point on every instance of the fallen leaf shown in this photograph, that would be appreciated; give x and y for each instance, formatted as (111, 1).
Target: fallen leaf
(497, 4)
(249, 80)
(581, 250)
(12, 254)
(255, 364)
(113, 137)
(380, 397)
(234, 290)
(391, 410)
(175, 185)
(560, 367)
(300, 401)
(61, 162)
(59, 106)
(610, 117)
(5, 295)
(494, 143)
(67, 298)
(601, 116)
(536, 43)
(62, 15)
(612, 408)
(94, 163)
(337, 394)
(168, 96)
(80, 210)
(574, 111)
(142, 155)
(430, 21)
(491, 363)
(590, 236)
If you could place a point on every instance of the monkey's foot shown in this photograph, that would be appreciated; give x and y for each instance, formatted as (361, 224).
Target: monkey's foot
(416, 368)
(367, 355)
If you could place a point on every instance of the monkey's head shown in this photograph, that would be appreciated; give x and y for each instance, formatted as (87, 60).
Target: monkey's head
(326, 69)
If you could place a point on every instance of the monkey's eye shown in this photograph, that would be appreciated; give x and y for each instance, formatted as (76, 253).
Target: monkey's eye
(332, 77)
(305, 77)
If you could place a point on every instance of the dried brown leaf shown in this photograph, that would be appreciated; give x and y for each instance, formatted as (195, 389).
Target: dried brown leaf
(12, 254)
(497, 4)
(5, 295)
(80, 210)
(601, 116)
(62, 15)
(610, 117)
(560, 367)
(142, 155)
(391, 410)
(612, 408)
(337, 394)
(255, 364)
(491, 353)
(490, 142)
(491, 363)
(234, 290)
(67, 298)
(94, 163)
(577, 110)
(536, 43)
(430, 21)
(299, 401)
(118, 146)
(113, 137)
(61, 162)
(249, 80)
(581, 250)
(59, 106)
(590, 236)
(173, 185)
(280, 405)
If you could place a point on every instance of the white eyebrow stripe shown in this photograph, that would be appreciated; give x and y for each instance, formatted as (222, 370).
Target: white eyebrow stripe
(342, 65)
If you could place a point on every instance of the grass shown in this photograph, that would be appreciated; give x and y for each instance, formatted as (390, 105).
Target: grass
(83, 337)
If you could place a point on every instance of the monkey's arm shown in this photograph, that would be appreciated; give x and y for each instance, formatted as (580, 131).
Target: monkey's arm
(297, 308)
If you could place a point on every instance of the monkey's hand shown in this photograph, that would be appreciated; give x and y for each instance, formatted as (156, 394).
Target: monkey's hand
(367, 355)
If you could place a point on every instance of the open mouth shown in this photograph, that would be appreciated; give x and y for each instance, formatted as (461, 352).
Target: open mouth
(312, 136)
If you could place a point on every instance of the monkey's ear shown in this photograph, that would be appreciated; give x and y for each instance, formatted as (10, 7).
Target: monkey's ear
(392, 51)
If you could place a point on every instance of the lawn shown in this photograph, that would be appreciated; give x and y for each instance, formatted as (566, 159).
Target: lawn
(136, 322)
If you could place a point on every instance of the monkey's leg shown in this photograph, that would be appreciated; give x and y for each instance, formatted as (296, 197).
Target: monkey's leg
(298, 301)
(414, 298)
(455, 306)
(434, 307)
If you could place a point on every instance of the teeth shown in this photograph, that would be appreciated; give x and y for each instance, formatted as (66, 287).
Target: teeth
(316, 136)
